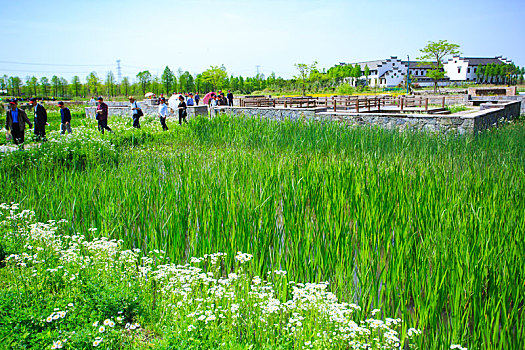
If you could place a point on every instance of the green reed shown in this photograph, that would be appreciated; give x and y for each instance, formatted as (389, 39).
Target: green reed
(427, 227)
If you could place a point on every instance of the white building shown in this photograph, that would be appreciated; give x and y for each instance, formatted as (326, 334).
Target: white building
(462, 69)
(391, 72)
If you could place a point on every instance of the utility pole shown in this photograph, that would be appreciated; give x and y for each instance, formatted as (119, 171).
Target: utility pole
(258, 66)
(119, 72)
(408, 75)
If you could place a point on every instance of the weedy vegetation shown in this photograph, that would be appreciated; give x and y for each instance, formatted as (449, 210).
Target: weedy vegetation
(351, 238)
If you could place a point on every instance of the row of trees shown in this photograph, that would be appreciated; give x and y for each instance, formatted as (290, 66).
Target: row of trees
(499, 74)
(216, 78)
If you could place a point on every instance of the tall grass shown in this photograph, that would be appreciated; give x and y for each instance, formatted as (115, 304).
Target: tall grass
(429, 228)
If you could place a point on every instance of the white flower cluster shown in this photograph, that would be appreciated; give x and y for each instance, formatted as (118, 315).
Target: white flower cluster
(243, 257)
(209, 295)
(55, 316)
(457, 346)
(58, 344)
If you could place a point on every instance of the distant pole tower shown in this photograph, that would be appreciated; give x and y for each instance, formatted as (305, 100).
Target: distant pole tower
(119, 72)
(258, 66)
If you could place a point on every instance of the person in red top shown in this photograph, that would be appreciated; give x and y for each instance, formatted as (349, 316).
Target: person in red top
(102, 116)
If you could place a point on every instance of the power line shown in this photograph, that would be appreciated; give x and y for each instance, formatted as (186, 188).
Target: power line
(57, 64)
(42, 71)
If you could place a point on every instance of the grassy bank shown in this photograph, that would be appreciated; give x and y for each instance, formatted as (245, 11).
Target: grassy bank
(426, 228)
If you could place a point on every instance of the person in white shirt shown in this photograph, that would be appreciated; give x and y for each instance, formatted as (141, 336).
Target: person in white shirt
(135, 111)
(163, 113)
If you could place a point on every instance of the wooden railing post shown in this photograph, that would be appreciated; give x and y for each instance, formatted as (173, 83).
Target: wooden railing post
(401, 100)
(357, 104)
(443, 102)
(426, 104)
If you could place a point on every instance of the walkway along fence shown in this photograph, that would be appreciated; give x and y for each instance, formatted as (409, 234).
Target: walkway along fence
(355, 103)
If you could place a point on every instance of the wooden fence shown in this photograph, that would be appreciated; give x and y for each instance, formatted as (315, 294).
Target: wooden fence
(357, 103)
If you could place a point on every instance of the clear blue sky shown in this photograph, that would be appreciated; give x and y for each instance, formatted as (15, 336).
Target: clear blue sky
(81, 36)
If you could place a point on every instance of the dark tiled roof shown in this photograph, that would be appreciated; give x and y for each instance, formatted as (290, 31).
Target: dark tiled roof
(373, 65)
(416, 64)
(476, 61)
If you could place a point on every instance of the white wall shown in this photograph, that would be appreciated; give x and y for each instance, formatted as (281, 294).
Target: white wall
(451, 69)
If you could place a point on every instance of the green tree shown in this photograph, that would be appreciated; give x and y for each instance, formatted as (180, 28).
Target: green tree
(303, 75)
(4, 82)
(44, 84)
(199, 83)
(215, 76)
(110, 84)
(190, 81)
(367, 73)
(15, 83)
(32, 83)
(55, 83)
(63, 86)
(433, 54)
(93, 82)
(144, 78)
(125, 85)
(75, 83)
(156, 85)
(168, 79)
(186, 82)
(479, 73)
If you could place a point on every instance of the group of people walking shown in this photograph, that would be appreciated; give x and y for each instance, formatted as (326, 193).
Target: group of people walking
(16, 120)
(221, 100)
(163, 110)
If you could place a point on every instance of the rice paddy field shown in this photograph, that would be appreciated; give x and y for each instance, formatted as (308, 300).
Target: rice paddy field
(427, 229)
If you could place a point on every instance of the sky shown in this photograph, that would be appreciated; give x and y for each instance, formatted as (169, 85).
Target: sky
(75, 37)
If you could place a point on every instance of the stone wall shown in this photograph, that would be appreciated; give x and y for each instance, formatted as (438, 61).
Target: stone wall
(270, 112)
(490, 115)
(478, 100)
(123, 109)
(494, 90)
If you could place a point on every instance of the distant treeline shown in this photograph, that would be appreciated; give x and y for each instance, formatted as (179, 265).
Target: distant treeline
(212, 79)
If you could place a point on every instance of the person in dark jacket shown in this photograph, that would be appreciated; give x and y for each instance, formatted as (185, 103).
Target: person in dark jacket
(197, 98)
(102, 116)
(40, 119)
(182, 110)
(229, 95)
(15, 122)
(65, 118)
(222, 100)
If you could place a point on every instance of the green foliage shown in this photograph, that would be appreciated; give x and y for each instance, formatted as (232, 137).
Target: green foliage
(304, 71)
(144, 78)
(93, 83)
(428, 228)
(215, 76)
(345, 89)
(433, 54)
(168, 79)
(457, 108)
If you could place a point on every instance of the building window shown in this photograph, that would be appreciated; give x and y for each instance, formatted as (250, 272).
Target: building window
(468, 70)
(459, 69)
(475, 69)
